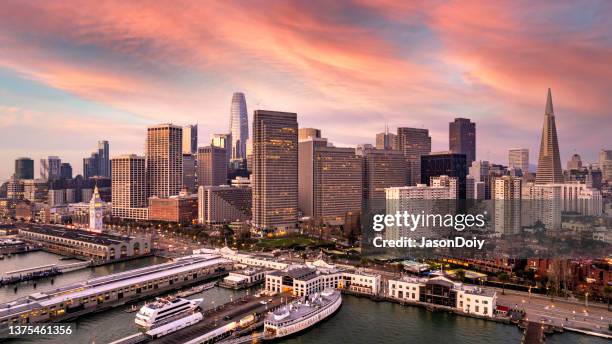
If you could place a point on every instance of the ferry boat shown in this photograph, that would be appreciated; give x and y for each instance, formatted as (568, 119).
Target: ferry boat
(195, 290)
(301, 314)
(167, 315)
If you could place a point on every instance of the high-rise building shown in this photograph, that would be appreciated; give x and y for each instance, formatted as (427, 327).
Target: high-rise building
(575, 163)
(386, 140)
(65, 171)
(190, 180)
(223, 141)
(448, 182)
(35, 190)
(91, 165)
(239, 126)
(445, 163)
(190, 139)
(413, 143)
(275, 170)
(381, 169)
(549, 161)
(462, 138)
(50, 168)
(15, 188)
(164, 160)
(224, 204)
(104, 164)
(211, 166)
(605, 164)
(507, 192)
(306, 133)
(24, 168)
(519, 158)
(129, 187)
(329, 182)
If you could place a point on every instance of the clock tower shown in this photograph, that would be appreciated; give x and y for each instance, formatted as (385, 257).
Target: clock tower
(96, 212)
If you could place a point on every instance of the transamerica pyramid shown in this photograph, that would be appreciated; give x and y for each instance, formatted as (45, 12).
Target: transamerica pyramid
(549, 162)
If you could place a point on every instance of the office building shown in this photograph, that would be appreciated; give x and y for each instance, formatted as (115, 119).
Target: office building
(549, 161)
(448, 182)
(386, 140)
(574, 163)
(24, 168)
(445, 163)
(181, 208)
(91, 165)
(50, 168)
(211, 166)
(275, 170)
(507, 193)
(223, 141)
(329, 182)
(104, 162)
(14, 188)
(224, 204)
(518, 158)
(307, 133)
(190, 180)
(605, 164)
(462, 138)
(381, 169)
(413, 143)
(239, 126)
(65, 171)
(35, 190)
(129, 187)
(190, 139)
(164, 160)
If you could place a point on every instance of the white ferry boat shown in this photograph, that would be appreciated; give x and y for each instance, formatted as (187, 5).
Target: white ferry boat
(167, 315)
(301, 314)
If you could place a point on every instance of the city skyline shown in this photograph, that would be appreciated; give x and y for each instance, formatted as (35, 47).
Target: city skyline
(108, 77)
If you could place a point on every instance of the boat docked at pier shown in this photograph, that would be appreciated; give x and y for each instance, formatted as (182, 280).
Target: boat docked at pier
(167, 315)
(301, 314)
(196, 290)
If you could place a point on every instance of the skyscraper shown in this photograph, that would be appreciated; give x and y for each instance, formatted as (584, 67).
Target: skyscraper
(386, 140)
(605, 164)
(211, 166)
(65, 171)
(24, 168)
(305, 133)
(223, 141)
(239, 126)
(104, 165)
(275, 170)
(190, 173)
(519, 158)
(164, 160)
(549, 161)
(50, 168)
(91, 165)
(575, 163)
(190, 139)
(462, 138)
(382, 168)
(129, 187)
(413, 143)
(448, 164)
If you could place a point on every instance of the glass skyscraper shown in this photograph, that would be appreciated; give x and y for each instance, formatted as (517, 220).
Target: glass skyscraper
(239, 126)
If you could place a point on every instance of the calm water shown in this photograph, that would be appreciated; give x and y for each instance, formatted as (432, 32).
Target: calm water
(358, 321)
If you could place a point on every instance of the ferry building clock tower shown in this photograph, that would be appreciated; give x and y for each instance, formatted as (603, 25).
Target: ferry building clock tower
(96, 212)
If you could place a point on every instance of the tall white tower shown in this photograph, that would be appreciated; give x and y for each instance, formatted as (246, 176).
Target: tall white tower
(96, 212)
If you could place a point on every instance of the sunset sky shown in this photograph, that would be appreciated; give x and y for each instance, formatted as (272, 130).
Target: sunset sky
(72, 73)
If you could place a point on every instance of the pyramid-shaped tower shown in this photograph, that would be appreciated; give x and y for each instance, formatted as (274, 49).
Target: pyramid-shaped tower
(549, 162)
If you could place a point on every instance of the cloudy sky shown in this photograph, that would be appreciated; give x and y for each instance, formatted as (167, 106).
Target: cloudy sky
(72, 72)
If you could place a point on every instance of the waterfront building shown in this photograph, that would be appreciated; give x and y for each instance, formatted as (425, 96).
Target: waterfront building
(519, 158)
(24, 168)
(164, 160)
(211, 166)
(224, 204)
(275, 170)
(50, 168)
(223, 141)
(381, 169)
(442, 292)
(360, 282)
(413, 143)
(129, 187)
(190, 180)
(329, 182)
(386, 140)
(190, 139)
(249, 259)
(108, 291)
(96, 212)
(549, 161)
(445, 163)
(243, 278)
(239, 126)
(462, 138)
(181, 208)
